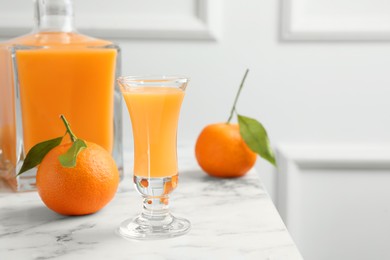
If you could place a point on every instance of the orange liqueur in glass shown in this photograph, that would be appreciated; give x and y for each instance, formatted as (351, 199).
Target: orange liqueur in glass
(154, 105)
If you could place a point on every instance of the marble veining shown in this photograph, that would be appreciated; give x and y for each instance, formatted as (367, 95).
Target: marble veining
(231, 219)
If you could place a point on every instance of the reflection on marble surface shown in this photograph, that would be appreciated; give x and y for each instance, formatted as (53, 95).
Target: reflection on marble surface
(231, 219)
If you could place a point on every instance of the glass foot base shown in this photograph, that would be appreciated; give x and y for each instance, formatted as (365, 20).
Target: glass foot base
(142, 229)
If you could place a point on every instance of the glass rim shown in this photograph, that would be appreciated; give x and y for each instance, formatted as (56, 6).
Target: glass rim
(153, 80)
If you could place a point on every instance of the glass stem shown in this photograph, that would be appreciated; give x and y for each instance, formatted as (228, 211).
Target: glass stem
(156, 210)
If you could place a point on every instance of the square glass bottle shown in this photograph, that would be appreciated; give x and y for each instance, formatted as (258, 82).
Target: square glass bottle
(56, 70)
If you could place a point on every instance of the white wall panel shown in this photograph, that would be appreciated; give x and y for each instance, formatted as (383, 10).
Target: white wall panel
(335, 200)
(128, 19)
(367, 20)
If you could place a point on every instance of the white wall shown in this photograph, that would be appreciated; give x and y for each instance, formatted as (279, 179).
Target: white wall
(334, 199)
(303, 92)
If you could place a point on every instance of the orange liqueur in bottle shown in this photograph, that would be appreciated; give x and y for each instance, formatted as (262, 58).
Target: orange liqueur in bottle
(55, 71)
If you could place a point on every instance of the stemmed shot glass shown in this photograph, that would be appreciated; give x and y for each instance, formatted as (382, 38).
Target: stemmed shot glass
(154, 104)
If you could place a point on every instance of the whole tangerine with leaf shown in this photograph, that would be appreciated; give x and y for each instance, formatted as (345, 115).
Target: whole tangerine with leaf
(75, 178)
(229, 150)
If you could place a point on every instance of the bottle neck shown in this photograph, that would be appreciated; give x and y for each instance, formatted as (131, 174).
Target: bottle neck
(54, 16)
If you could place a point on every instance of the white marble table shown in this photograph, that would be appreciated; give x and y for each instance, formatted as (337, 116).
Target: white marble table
(231, 219)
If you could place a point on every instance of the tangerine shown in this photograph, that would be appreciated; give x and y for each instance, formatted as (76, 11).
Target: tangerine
(81, 190)
(221, 151)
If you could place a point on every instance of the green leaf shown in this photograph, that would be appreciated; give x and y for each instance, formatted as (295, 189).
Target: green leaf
(37, 153)
(255, 136)
(68, 159)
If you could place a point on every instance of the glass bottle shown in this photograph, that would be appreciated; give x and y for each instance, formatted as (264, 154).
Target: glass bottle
(56, 70)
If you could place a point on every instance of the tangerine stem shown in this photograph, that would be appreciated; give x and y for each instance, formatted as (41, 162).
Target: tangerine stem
(237, 95)
(68, 129)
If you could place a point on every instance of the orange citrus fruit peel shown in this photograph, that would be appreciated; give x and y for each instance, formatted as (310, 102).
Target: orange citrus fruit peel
(221, 151)
(80, 190)
(75, 178)
(228, 150)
